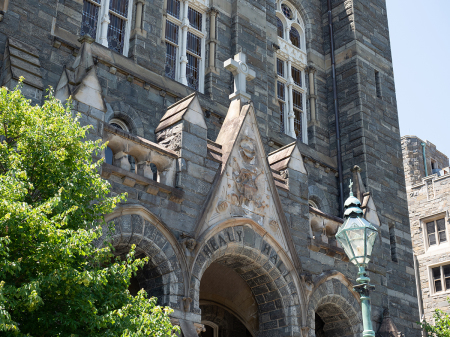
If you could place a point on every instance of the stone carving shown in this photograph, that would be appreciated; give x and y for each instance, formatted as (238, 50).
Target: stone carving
(274, 225)
(188, 241)
(284, 174)
(247, 150)
(187, 303)
(222, 206)
(170, 138)
(199, 328)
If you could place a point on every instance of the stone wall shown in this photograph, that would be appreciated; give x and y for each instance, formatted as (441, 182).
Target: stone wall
(135, 90)
(428, 200)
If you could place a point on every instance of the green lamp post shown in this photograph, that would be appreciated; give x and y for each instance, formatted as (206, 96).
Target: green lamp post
(357, 237)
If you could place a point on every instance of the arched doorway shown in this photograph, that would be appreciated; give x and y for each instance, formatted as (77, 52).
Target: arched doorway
(162, 276)
(241, 276)
(334, 309)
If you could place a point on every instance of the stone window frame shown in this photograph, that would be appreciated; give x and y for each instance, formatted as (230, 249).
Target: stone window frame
(431, 279)
(103, 23)
(213, 325)
(203, 8)
(293, 57)
(434, 217)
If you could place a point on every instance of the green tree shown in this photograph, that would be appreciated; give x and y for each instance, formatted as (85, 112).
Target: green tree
(53, 281)
(441, 326)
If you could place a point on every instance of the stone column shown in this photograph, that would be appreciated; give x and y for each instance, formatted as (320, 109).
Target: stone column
(104, 30)
(291, 116)
(312, 93)
(183, 47)
(139, 7)
(212, 38)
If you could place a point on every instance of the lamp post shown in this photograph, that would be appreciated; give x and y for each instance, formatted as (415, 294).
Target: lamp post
(357, 237)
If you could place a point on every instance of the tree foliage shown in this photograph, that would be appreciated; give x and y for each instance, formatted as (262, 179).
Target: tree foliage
(441, 326)
(53, 280)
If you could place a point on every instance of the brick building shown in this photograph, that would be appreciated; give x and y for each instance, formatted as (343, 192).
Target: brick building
(427, 175)
(233, 127)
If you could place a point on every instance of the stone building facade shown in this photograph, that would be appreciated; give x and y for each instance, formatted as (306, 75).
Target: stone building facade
(220, 118)
(427, 175)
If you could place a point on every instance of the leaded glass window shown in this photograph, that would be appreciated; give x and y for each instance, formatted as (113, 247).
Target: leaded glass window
(281, 94)
(298, 110)
(280, 28)
(173, 8)
(171, 49)
(280, 68)
(297, 76)
(192, 71)
(114, 34)
(195, 18)
(295, 37)
(90, 17)
(287, 11)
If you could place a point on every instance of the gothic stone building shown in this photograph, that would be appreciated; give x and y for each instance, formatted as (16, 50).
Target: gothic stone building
(220, 117)
(427, 175)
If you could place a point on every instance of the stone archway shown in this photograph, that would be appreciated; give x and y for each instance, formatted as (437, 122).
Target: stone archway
(264, 268)
(334, 310)
(162, 276)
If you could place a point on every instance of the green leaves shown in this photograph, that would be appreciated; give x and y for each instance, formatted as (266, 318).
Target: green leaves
(53, 281)
(441, 326)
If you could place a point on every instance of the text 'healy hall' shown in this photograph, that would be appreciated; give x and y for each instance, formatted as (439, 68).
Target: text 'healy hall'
(235, 126)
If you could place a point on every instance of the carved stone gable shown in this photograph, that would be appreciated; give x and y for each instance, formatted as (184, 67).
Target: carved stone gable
(244, 189)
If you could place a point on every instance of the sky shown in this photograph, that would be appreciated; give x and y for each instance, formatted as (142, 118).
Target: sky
(420, 43)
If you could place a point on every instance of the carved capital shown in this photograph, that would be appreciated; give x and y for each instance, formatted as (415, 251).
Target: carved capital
(311, 69)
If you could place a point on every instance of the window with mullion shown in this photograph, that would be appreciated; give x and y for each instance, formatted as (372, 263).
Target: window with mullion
(436, 232)
(441, 278)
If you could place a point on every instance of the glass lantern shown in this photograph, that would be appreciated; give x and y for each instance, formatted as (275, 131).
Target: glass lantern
(357, 236)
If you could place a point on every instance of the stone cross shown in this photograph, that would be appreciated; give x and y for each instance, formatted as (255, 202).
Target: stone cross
(242, 73)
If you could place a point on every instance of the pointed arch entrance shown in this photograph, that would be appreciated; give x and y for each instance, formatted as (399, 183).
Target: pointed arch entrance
(244, 258)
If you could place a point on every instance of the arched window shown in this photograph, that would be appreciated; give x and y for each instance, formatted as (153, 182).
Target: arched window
(114, 34)
(192, 73)
(295, 37)
(120, 124)
(280, 28)
(290, 65)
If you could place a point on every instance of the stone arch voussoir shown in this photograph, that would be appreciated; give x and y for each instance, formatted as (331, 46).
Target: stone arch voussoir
(257, 260)
(162, 276)
(342, 303)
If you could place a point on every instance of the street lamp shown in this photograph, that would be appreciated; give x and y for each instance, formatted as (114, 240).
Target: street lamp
(357, 237)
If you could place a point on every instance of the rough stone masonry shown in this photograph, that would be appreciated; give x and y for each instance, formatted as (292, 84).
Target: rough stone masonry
(236, 203)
